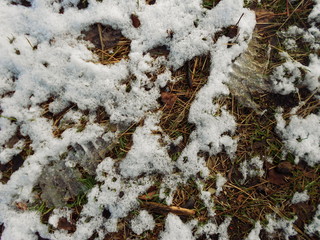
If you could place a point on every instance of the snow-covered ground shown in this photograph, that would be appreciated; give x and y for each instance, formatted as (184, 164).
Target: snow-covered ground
(43, 56)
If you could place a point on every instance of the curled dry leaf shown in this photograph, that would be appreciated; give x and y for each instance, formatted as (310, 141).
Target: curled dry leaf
(168, 99)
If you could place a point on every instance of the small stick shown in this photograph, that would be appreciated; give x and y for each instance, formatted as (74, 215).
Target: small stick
(189, 80)
(101, 40)
(239, 19)
(194, 69)
(164, 209)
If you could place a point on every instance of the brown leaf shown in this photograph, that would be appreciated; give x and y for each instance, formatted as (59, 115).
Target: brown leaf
(285, 168)
(169, 99)
(22, 206)
(110, 37)
(66, 225)
(263, 16)
(232, 31)
(159, 51)
(276, 178)
(240, 198)
(278, 175)
(12, 141)
(135, 20)
(150, 2)
(303, 211)
(148, 196)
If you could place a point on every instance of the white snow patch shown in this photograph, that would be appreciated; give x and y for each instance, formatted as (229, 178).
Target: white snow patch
(146, 155)
(287, 76)
(300, 197)
(175, 229)
(143, 222)
(314, 226)
(280, 224)
(301, 137)
(219, 183)
(254, 233)
(223, 229)
(211, 228)
(252, 168)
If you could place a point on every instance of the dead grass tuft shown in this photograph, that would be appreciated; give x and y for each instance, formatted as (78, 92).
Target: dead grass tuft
(108, 44)
(180, 95)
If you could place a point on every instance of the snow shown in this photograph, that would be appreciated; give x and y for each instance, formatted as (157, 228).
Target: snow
(211, 228)
(300, 197)
(286, 225)
(254, 233)
(300, 136)
(287, 76)
(314, 227)
(252, 168)
(44, 57)
(219, 183)
(146, 154)
(143, 222)
(175, 229)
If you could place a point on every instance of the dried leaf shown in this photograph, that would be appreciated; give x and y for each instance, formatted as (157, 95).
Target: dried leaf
(159, 51)
(169, 99)
(150, 2)
(285, 168)
(148, 196)
(66, 225)
(12, 141)
(135, 21)
(263, 16)
(189, 204)
(240, 198)
(280, 174)
(276, 178)
(22, 206)
(232, 31)
(110, 37)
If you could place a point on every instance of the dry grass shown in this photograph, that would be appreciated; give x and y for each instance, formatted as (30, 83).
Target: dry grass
(174, 120)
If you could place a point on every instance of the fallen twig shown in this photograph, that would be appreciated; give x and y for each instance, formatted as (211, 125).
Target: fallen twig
(164, 209)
